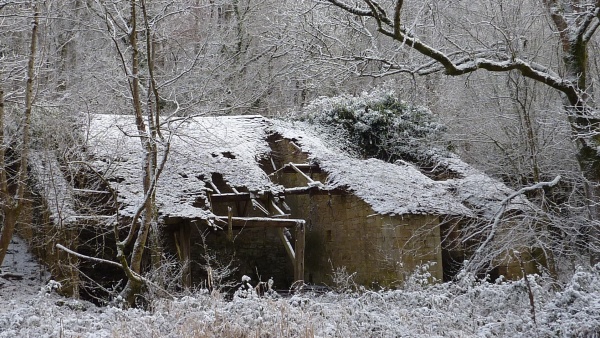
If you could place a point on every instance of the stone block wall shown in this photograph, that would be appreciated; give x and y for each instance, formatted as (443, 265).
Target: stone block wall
(343, 231)
(255, 252)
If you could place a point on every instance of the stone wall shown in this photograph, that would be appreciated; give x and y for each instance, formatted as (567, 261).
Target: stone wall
(255, 252)
(344, 232)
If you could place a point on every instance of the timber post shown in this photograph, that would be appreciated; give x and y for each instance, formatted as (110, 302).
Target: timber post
(299, 251)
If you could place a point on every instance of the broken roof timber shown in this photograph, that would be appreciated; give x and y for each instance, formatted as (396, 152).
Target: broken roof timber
(314, 190)
(260, 222)
(247, 196)
(303, 168)
(229, 197)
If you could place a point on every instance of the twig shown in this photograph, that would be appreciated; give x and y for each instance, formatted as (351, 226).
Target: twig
(529, 290)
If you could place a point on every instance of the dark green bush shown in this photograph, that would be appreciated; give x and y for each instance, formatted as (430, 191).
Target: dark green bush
(377, 125)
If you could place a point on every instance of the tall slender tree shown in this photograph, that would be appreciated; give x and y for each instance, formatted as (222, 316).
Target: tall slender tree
(13, 182)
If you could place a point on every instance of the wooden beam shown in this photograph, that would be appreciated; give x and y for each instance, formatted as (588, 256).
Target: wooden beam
(277, 209)
(299, 251)
(314, 190)
(304, 167)
(260, 222)
(229, 224)
(214, 187)
(308, 178)
(288, 246)
(230, 197)
(250, 196)
(185, 236)
(182, 243)
(259, 206)
(296, 146)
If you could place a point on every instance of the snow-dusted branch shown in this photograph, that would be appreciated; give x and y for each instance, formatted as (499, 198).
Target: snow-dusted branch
(501, 210)
(128, 271)
(89, 258)
(354, 10)
(501, 62)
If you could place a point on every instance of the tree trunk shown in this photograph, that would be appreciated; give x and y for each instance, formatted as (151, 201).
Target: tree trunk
(8, 227)
(11, 193)
(148, 142)
(589, 164)
(585, 129)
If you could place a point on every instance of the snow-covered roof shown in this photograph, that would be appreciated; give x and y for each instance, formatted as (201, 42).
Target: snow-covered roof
(387, 187)
(477, 190)
(234, 145)
(231, 146)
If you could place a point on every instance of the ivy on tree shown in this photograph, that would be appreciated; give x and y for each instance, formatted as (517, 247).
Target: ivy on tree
(377, 125)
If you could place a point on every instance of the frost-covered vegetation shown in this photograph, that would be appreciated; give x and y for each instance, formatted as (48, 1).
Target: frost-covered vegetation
(466, 308)
(376, 124)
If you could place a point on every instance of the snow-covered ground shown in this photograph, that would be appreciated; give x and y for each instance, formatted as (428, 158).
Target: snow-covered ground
(464, 309)
(20, 275)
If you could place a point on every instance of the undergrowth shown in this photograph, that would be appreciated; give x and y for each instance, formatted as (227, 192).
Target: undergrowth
(468, 307)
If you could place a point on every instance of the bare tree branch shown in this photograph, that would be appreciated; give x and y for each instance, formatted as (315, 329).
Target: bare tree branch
(498, 217)
(89, 258)
(470, 64)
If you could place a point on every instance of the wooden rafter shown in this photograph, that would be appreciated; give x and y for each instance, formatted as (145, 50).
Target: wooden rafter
(260, 222)
(230, 197)
(291, 168)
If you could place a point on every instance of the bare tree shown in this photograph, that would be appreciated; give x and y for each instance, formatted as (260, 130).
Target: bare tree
(147, 120)
(13, 173)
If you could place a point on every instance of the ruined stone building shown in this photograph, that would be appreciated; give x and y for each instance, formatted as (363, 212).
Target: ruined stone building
(270, 198)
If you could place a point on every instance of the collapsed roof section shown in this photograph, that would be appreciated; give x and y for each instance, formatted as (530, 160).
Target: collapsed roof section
(231, 149)
(388, 188)
(231, 146)
(405, 188)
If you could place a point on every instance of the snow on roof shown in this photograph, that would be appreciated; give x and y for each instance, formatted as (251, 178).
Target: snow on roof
(233, 147)
(388, 188)
(50, 182)
(229, 145)
(476, 189)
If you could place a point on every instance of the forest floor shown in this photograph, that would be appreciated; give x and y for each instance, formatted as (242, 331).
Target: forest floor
(21, 276)
(467, 308)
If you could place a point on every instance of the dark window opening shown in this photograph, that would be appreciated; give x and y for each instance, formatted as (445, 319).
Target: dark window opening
(228, 154)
